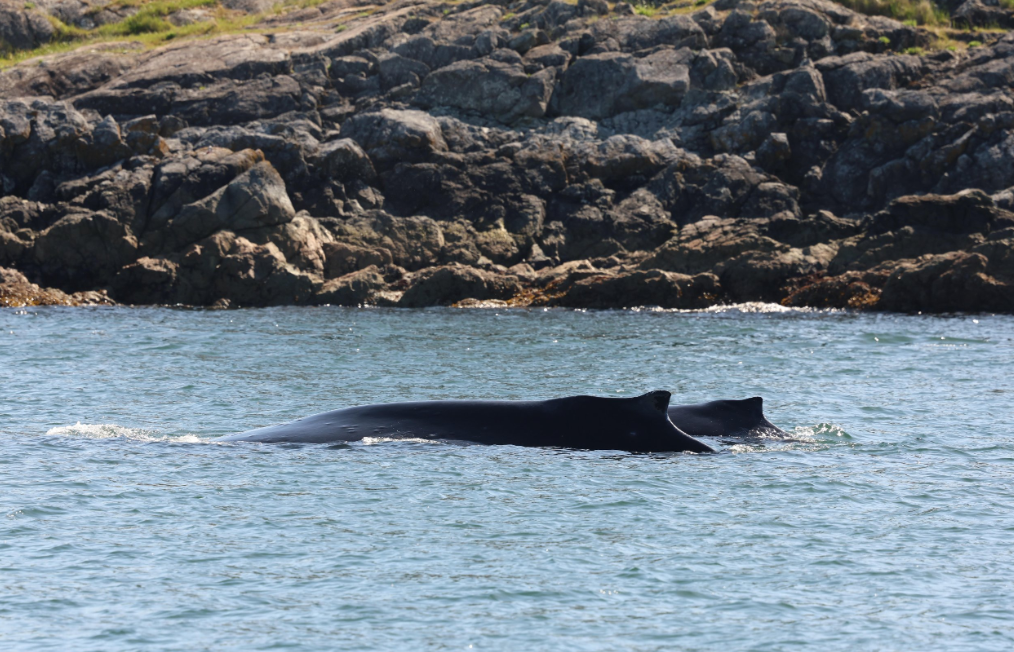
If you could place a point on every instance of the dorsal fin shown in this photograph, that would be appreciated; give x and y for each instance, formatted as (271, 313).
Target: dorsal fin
(755, 404)
(657, 400)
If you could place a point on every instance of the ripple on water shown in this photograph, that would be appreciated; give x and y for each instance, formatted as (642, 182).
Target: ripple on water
(882, 521)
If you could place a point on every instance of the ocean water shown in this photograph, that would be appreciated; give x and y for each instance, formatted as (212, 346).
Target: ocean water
(885, 523)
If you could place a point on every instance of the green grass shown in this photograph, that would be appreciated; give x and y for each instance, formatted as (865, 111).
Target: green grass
(150, 18)
(920, 12)
(138, 24)
(148, 27)
(645, 10)
(163, 7)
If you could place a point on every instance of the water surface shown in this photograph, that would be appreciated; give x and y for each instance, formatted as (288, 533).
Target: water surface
(886, 525)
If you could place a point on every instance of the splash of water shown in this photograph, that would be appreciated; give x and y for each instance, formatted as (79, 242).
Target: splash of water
(113, 431)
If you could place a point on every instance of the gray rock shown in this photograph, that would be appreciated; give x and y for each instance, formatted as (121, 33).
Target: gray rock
(641, 288)
(945, 283)
(490, 88)
(443, 286)
(391, 136)
(774, 152)
(344, 258)
(22, 28)
(254, 199)
(845, 78)
(353, 289)
(640, 32)
(83, 250)
(344, 159)
(602, 85)
(396, 70)
(146, 281)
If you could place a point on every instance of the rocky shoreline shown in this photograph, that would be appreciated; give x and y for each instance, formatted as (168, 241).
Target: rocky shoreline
(540, 153)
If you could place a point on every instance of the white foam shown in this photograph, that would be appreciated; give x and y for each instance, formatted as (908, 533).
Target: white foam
(754, 307)
(741, 308)
(113, 431)
(370, 441)
(821, 432)
(813, 438)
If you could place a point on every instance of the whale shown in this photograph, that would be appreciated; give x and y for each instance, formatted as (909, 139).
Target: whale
(726, 418)
(640, 424)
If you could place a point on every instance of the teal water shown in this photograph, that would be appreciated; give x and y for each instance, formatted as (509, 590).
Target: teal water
(886, 525)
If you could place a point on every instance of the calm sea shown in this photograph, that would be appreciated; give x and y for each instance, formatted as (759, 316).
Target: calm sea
(888, 524)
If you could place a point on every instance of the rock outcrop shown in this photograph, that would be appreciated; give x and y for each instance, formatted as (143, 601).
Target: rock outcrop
(536, 152)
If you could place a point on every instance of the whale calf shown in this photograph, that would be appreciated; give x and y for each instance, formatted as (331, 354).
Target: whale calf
(639, 424)
(743, 418)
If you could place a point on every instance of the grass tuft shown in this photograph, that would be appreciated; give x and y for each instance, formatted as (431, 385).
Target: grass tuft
(645, 10)
(148, 26)
(911, 12)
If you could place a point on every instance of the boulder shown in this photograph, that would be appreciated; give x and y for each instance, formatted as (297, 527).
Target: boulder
(146, 281)
(392, 136)
(103, 146)
(443, 286)
(725, 185)
(16, 291)
(969, 211)
(353, 289)
(622, 156)
(750, 265)
(642, 33)
(83, 250)
(248, 274)
(851, 290)
(23, 28)
(955, 281)
(983, 13)
(845, 78)
(396, 70)
(549, 55)
(344, 159)
(601, 85)
(301, 240)
(183, 180)
(254, 199)
(502, 91)
(642, 288)
(414, 242)
(754, 41)
(344, 258)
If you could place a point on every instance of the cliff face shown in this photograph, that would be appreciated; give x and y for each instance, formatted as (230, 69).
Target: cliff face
(419, 153)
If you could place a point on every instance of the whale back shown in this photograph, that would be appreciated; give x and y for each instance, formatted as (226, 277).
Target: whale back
(638, 424)
(635, 424)
(725, 418)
